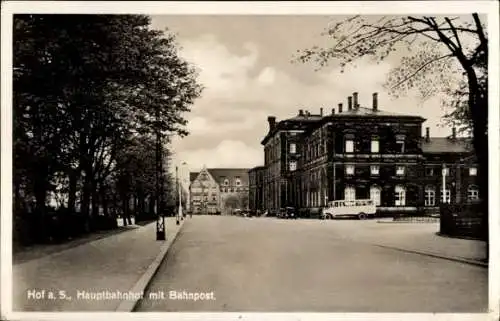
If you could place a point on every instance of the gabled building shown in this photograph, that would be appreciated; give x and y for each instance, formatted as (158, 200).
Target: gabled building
(229, 189)
(363, 153)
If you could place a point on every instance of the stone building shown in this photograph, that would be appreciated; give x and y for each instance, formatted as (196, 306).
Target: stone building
(256, 195)
(223, 189)
(360, 153)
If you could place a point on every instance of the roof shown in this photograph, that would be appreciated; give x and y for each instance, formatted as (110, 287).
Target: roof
(364, 111)
(220, 173)
(256, 168)
(309, 120)
(438, 145)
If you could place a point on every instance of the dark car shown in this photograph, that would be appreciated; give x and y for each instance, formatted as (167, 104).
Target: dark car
(288, 213)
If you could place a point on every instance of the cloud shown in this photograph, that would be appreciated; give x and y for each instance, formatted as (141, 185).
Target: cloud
(228, 122)
(228, 153)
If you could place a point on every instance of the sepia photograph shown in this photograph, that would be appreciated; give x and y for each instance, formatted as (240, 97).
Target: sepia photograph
(282, 159)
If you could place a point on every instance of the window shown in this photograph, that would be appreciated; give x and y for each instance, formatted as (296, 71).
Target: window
(375, 195)
(226, 182)
(446, 197)
(350, 193)
(374, 169)
(429, 171)
(349, 169)
(430, 196)
(230, 190)
(214, 198)
(293, 148)
(238, 181)
(293, 166)
(349, 146)
(400, 196)
(472, 171)
(445, 171)
(400, 170)
(400, 146)
(375, 146)
(472, 193)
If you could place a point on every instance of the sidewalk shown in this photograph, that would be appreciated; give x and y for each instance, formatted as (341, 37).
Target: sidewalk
(115, 264)
(422, 238)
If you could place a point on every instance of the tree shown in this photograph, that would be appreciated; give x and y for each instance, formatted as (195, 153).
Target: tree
(87, 88)
(451, 55)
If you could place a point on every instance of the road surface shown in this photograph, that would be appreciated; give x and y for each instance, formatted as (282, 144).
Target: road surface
(238, 264)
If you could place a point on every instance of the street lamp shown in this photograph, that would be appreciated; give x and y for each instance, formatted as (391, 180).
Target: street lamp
(160, 219)
(443, 174)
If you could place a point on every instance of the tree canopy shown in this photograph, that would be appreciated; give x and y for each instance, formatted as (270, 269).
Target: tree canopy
(91, 93)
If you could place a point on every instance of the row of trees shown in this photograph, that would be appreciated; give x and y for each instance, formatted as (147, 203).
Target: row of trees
(92, 93)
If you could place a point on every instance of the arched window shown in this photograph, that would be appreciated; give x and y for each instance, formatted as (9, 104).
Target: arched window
(226, 182)
(375, 195)
(350, 193)
(430, 196)
(472, 193)
(399, 196)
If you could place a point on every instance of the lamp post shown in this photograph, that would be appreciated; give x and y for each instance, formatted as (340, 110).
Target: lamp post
(179, 193)
(160, 219)
(443, 174)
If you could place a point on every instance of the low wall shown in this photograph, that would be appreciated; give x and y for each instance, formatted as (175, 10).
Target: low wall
(463, 220)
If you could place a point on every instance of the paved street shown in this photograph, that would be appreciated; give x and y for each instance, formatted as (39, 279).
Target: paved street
(272, 265)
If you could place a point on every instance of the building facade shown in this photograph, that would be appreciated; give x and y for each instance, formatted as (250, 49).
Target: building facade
(364, 153)
(256, 194)
(225, 189)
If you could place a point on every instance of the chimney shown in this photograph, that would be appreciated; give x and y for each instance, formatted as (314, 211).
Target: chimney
(427, 134)
(355, 100)
(340, 107)
(321, 111)
(375, 101)
(272, 122)
(349, 103)
(453, 133)
(333, 111)
(301, 112)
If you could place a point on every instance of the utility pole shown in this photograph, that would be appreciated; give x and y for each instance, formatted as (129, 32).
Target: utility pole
(179, 193)
(443, 174)
(160, 219)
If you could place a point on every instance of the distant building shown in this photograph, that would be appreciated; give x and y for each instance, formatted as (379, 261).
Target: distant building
(219, 190)
(256, 195)
(363, 153)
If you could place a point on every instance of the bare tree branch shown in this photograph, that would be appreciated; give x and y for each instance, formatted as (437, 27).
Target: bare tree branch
(419, 69)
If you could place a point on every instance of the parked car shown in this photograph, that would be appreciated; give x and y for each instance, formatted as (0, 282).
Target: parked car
(287, 213)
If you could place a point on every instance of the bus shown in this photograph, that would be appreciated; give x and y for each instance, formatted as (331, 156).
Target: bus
(346, 208)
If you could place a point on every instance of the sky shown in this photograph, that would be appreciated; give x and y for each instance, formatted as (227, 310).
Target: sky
(245, 65)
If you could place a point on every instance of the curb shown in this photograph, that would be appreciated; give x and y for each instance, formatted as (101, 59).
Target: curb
(143, 282)
(449, 258)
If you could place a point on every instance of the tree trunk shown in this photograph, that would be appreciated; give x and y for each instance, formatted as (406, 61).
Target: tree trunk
(478, 108)
(73, 178)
